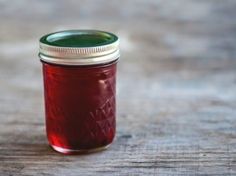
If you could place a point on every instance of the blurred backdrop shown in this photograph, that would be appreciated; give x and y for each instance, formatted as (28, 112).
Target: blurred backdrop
(177, 69)
(160, 40)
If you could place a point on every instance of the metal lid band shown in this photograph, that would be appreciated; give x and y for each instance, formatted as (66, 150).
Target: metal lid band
(79, 47)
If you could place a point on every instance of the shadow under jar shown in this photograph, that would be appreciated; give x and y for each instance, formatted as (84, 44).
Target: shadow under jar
(79, 70)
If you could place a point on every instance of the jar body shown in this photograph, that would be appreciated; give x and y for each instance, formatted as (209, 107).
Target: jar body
(80, 106)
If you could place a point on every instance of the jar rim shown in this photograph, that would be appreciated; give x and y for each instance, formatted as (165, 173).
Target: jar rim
(79, 47)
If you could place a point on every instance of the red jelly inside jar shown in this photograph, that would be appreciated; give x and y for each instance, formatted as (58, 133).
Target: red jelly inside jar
(79, 70)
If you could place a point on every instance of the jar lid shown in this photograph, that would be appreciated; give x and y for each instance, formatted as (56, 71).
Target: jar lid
(79, 47)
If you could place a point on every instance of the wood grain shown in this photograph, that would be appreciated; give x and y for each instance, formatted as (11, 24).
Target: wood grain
(176, 87)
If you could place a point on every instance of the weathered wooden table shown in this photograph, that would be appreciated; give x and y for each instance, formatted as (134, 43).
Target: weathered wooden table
(176, 87)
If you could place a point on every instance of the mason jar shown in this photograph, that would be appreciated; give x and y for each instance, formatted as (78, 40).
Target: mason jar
(79, 71)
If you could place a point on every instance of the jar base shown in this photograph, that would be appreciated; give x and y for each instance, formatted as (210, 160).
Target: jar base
(82, 151)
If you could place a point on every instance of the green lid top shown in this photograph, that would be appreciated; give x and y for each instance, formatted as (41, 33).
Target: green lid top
(79, 38)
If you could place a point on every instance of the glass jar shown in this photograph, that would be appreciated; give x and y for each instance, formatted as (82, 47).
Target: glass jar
(79, 70)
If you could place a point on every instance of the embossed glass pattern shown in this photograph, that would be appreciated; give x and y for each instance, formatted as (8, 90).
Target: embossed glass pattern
(80, 105)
